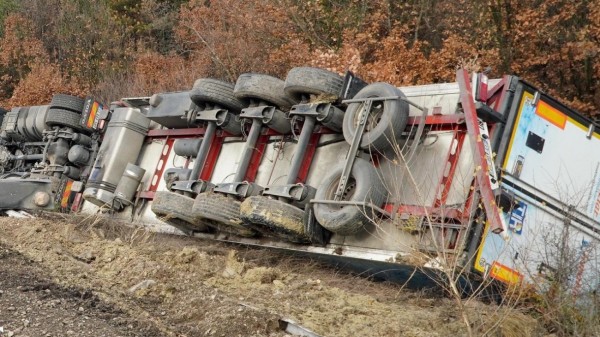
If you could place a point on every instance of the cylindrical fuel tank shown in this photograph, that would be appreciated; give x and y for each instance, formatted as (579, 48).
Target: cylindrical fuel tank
(121, 145)
(35, 122)
(128, 184)
(25, 123)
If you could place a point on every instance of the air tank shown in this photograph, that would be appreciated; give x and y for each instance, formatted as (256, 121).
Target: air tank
(128, 185)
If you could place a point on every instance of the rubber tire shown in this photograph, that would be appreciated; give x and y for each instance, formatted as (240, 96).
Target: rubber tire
(215, 91)
(263, 87)
(313, 81)
(274, 218)
(393, 119)
(349, 219)
(67, 102)
(61, 117)
(174, 210)
(223, 210)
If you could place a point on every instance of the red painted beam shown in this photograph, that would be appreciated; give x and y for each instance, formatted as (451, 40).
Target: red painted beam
(497, 94)
(432, 212)
(211, 158)
(439, 120)
(147, 195)
(161, 164)
(451, 159)
(308, 158)
(259, 151)
(176, 133)
(482, 169)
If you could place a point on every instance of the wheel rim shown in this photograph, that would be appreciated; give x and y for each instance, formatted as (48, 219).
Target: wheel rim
(347, 195)
(373, 118)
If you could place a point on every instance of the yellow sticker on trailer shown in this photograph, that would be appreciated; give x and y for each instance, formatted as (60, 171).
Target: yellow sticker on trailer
(505, 274)
(551, 114)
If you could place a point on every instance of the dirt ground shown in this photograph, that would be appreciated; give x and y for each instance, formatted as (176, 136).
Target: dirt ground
(64, 276)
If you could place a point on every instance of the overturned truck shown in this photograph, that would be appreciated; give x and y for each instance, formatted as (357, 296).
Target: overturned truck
(493, 175)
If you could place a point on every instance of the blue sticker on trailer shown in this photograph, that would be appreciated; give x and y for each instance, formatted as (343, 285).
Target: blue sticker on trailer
(517, 218)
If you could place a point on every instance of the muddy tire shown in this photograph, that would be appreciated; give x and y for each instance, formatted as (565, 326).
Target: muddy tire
(262, 87)
(274, 218)
(217, 92)
(174, 210)
(313, 81)
(363, 185)
(67, 102)
(386, 120)
(223, 210)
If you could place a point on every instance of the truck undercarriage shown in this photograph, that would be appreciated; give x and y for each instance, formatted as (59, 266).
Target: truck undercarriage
(482, 176)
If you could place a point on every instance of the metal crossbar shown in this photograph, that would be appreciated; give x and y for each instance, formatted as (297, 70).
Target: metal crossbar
(386, 98)
(352, 152)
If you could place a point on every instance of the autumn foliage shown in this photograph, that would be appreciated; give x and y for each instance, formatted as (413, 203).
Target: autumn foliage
(115, 48)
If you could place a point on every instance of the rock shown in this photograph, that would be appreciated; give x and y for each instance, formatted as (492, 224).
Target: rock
(186, 255)
(142, 285)
(87, 257)
(233, 267)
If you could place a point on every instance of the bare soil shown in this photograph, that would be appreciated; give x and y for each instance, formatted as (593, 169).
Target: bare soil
(63, 276)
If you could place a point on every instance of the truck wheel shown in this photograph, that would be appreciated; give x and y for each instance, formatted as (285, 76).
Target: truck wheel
(262, 87)
(175, 210)
(61, 117)
(363, 185)
(215, 91)
(386, 120)
(274, 218)
(67, 102)
(312, 81)
(223, 210)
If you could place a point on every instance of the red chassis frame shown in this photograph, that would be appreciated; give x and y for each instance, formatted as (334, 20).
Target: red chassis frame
(463, 126)
(170, 135)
